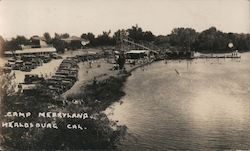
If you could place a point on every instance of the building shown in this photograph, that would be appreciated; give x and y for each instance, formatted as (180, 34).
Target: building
(31, 51)
(136, 54)
(38, 46)
(38, 42)
(35, 42)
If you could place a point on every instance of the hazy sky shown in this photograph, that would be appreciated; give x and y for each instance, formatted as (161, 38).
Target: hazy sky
(34, 17)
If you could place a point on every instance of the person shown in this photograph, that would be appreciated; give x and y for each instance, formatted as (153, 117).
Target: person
(19, 88)
(90, 64)
(94, 81)
(14, 74)
(236, 53)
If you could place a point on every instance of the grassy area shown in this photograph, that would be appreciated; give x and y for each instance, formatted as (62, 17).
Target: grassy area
(101, 94)
(100, 132)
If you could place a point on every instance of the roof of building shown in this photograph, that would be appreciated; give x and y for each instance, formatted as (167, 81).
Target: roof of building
(37, 38)
(32, 50)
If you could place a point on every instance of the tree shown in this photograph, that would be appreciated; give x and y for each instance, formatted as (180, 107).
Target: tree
(61, 36)
(15, 43)
(59, 44)
(135, 33)
(47, 37)
(213, 40)
(105, 39)
(183, 38)
(206, 39)
(21, 40)
(65, 35)
(148, 36)
(162, 41)
(89, 36)
(2, 46)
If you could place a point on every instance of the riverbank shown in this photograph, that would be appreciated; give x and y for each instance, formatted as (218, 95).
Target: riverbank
(101, 87)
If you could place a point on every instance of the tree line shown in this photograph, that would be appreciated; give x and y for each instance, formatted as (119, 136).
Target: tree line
(181, 39)
(210, 40)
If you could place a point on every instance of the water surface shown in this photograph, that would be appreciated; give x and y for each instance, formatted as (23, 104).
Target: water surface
(197, 105)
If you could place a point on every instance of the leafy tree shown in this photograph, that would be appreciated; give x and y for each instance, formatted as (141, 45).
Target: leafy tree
(162, 41)
(135, 33)
(183, 37)
(91, 37)
(65, 35)
(59, 44)
(213, 40)
(2, 46)
(148, 36)
(61, 36)
(105, 39)
(47, 37)
(15, 43)
(21, 40)
(117, 35)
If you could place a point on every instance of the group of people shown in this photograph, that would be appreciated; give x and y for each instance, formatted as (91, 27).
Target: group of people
(235, 53)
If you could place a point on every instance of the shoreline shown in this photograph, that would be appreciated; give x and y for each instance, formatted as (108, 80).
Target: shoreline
(105, 80)
(103, 91)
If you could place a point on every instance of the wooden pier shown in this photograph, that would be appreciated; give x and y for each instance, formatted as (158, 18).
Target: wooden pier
(217, 56)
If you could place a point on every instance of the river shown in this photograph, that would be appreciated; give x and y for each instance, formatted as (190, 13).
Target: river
(202, 104)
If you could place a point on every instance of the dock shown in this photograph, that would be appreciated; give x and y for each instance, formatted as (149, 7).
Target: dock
(217, 56)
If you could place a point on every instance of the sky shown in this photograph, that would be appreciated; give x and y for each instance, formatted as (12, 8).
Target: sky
(34, 17)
